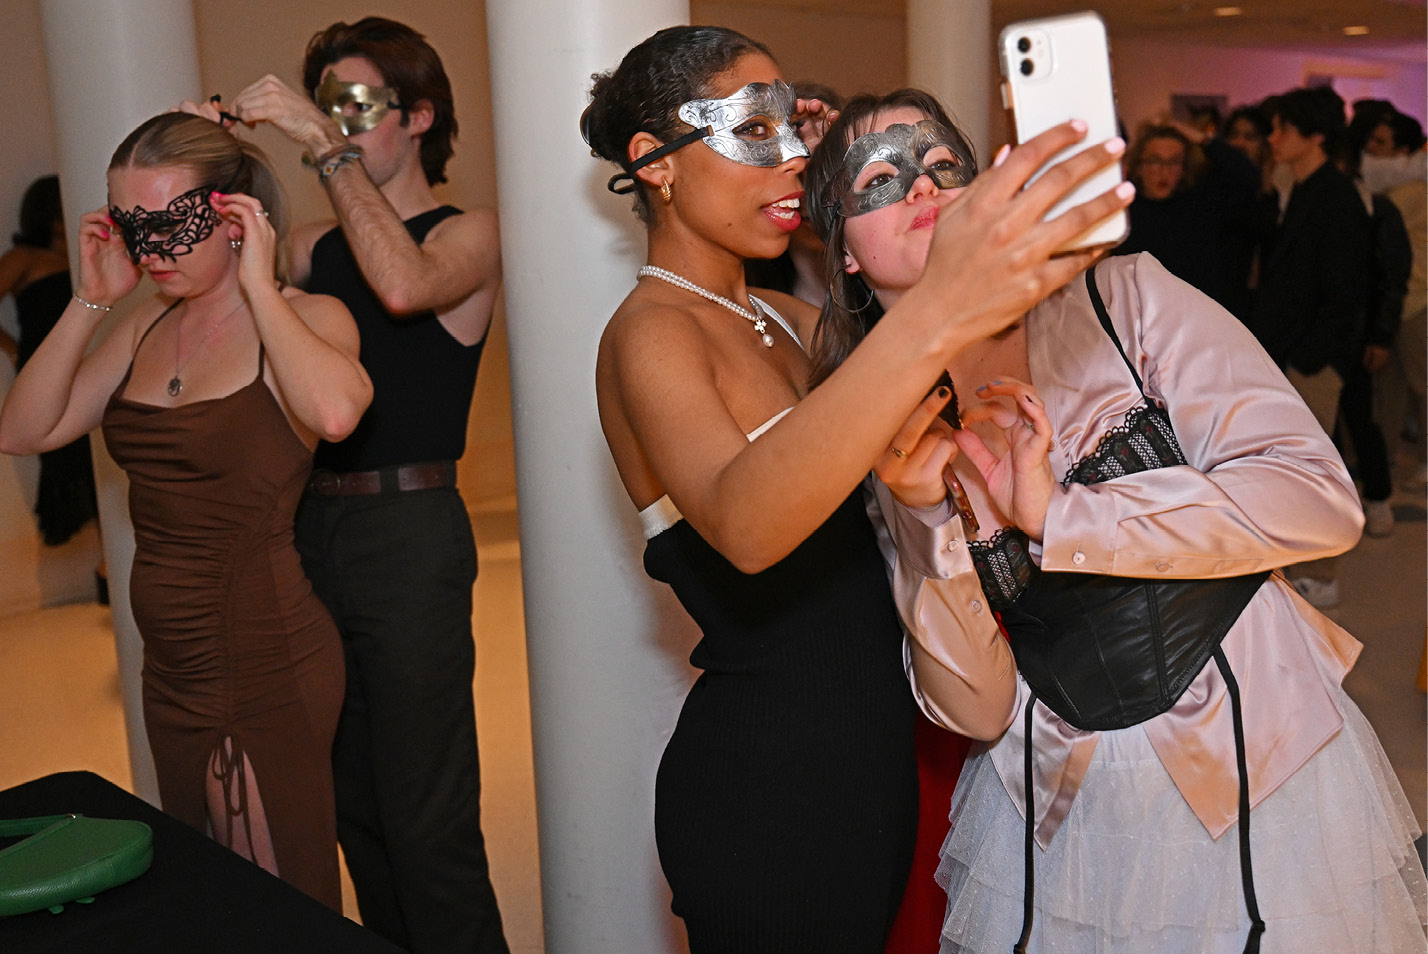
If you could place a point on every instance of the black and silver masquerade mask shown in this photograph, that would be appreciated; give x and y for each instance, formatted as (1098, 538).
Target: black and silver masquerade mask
(750, 127)
(355, 107)
(172, 231)
(901, 154)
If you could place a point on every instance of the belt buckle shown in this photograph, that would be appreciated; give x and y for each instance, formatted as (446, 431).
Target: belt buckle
(326, 482)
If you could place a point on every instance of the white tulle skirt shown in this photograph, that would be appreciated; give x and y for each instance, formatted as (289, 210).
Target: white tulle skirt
(1132, 870)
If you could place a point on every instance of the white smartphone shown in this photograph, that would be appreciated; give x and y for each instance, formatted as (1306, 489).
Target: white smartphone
(1057, 69)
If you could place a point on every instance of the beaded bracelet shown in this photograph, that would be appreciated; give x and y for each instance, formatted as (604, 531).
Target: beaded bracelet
(335, 160)
(90, 304)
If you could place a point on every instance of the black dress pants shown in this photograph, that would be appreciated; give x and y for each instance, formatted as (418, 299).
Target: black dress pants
(396, 571)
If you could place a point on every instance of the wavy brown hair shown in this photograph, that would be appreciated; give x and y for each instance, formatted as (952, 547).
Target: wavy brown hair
(407, 63)
(851, 308)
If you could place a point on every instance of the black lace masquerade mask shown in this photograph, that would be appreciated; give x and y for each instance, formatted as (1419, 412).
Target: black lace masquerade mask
(169, 232)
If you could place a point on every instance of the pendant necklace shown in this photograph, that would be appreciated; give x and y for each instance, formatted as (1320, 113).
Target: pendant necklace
(175, 387)
(755, 317)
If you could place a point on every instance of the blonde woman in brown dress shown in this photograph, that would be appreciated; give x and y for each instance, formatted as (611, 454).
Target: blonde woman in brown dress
(212, 394)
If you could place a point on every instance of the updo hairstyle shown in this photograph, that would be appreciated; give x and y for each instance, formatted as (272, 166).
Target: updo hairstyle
(644, 93)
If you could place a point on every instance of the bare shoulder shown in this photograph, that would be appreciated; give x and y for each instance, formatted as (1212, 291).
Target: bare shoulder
(646, 330)
(477, 232)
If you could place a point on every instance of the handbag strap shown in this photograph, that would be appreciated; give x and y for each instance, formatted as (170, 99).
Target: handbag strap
(1105, 320)
(1028, 897)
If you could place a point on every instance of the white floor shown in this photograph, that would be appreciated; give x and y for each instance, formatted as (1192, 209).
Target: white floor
(60, 707)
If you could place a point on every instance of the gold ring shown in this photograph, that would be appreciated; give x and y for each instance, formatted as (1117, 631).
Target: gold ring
(899, 453)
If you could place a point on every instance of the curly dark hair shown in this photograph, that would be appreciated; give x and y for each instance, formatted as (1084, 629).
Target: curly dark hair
(407, 63)
(644, 93)
(851, 308)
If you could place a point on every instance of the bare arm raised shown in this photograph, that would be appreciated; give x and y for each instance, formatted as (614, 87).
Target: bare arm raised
(310, 340)
(670, 426)
(61, 393)
(455, 271)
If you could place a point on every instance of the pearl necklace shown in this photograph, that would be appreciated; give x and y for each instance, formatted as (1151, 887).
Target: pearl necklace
(755, 317)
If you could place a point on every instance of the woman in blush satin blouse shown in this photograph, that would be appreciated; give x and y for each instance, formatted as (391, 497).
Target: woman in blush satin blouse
(1170, 763)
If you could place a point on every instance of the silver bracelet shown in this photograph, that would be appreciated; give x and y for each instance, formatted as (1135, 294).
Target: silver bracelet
(90, 304)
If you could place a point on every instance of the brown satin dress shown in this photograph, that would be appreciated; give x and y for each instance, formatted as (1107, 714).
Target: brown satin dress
(240, 657)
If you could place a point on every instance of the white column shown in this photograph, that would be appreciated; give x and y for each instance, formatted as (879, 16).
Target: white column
(951, 53)
(607, 646)
(113, 64)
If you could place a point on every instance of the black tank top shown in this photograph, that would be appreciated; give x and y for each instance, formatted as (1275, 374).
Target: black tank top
(422, 378)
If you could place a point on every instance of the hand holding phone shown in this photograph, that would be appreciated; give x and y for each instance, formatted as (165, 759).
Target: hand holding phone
(1057, 69)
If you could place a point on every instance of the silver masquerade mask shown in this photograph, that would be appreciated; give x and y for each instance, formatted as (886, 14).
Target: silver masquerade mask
(750, 127)
(355, 107)
(903, 153)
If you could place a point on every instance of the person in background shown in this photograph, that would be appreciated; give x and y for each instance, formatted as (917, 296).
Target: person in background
(1389, 262)
(1393, 165)
(1194, 195)
(1308, 311)
(383, 531)
(36, 271)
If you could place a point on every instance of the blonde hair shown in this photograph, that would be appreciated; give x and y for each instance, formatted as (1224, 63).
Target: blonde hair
(217, 158)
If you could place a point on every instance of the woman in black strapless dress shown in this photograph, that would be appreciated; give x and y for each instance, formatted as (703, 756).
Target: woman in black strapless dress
(786, 800)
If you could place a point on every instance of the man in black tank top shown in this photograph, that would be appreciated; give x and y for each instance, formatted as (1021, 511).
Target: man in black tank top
(383, 533)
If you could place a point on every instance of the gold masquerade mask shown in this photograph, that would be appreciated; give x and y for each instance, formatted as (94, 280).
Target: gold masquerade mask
(355, 107)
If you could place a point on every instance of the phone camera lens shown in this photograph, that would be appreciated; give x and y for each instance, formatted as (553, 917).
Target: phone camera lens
(1023, 45)
(1027, 67)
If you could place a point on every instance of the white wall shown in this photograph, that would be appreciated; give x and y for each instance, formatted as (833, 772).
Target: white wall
(31, 574)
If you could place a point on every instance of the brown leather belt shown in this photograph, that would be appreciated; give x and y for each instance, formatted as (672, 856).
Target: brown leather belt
(386, 480)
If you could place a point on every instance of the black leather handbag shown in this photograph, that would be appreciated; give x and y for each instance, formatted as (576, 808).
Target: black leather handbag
(1107, 652)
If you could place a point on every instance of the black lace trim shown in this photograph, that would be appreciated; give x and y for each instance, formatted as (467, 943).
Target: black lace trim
(1003, 565)
(1146, 441)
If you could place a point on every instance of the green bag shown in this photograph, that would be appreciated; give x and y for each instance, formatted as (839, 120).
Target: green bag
(69, 858)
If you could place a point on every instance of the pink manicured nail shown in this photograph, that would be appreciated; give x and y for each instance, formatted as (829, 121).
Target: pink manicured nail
(1001, 155)
(1125, 190)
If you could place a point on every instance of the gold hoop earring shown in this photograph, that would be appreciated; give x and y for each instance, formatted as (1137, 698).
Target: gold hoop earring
(666, 192)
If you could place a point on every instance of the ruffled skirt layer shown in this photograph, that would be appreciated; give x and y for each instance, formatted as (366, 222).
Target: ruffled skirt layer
(1132, 870)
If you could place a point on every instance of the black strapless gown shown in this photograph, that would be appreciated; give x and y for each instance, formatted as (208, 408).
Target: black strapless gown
(786, 801)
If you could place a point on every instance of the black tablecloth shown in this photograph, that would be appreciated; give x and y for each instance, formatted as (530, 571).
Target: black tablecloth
(197, 896)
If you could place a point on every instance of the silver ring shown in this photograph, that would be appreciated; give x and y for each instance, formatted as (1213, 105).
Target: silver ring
(899, 453)
(263, 213)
